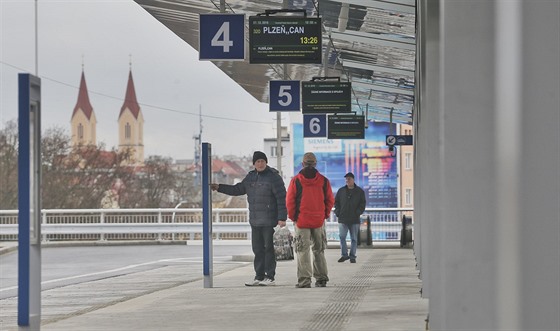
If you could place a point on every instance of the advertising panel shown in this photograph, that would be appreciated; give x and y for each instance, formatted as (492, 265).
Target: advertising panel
(374, 168)
(369, 159)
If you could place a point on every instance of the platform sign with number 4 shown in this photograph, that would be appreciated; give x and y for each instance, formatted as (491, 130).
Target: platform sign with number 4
(221, 37)
(284, 95)
(314, 126)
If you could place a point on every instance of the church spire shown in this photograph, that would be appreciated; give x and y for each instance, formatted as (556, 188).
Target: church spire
(83, 121)
(131, 125)
(130, 101)
(83, 99)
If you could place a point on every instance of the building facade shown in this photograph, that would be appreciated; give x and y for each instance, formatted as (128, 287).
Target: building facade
(83, 122)
(131, 123)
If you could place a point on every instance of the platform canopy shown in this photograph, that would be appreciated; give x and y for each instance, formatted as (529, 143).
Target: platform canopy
(368, 42)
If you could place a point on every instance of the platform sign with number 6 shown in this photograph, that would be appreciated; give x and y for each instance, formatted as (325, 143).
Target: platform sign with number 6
(221, 37)
(314, 126)
(284, 95)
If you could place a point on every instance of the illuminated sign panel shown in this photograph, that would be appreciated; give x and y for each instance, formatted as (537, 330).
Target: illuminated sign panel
(346, 127)
(326, 97)
(284, 39)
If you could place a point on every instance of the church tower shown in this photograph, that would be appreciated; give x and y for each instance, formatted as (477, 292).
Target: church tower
(83, 121)
(131, 125)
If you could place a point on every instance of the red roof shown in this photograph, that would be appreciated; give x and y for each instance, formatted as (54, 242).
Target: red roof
(130, 98)
(83, 99)
(228, 168)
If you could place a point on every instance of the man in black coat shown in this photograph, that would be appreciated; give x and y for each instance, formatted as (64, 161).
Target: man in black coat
(266, 195)
(349, 204)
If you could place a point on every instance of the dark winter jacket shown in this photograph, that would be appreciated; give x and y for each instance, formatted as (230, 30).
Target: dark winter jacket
(349, 204)
(266, 195)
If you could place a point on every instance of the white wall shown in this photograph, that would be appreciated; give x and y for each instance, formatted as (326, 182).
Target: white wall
(287, 158)
(488, 170)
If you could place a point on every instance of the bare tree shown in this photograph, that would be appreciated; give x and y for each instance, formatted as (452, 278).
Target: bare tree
(187, 190)
(9, 166)
(82, 176)
(78, 177)
(156, 181)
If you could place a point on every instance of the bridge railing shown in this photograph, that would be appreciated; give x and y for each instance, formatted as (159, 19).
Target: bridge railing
(172, 224)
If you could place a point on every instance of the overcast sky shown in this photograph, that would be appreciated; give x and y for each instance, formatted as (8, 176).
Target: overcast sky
(171, 83)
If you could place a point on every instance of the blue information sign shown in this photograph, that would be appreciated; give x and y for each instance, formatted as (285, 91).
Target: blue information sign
(396, 140)
(221, 37)
(314, 126)
(284, 95)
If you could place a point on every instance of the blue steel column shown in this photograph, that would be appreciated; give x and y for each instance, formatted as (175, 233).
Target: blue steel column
(207, 214)
(29, 202)
(23, 202)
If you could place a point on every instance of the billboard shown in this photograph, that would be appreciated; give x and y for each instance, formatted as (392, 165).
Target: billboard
(374, 168)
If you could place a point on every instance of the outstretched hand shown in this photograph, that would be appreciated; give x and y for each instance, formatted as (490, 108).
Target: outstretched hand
(214, 187)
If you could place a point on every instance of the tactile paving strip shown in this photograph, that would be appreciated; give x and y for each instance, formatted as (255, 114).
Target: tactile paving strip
(343, 301)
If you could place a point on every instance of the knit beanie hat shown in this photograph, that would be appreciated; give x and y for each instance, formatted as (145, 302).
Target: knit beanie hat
(258, 155)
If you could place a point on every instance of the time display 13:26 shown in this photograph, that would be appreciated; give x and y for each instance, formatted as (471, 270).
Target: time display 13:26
(309, 40)
(285, 39)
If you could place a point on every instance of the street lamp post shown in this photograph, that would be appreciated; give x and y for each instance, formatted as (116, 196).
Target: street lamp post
(173, 217)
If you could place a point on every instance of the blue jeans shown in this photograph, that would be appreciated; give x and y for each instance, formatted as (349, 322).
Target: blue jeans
(343, 232)
(263, 248)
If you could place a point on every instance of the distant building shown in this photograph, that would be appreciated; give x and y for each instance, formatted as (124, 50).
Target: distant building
(131, 123)
(83, 122)
(227, 172)
(271, 151)
(182, 165)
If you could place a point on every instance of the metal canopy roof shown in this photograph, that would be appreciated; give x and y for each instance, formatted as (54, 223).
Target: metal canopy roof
(371, 43)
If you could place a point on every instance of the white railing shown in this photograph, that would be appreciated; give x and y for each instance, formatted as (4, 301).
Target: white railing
(172, 224)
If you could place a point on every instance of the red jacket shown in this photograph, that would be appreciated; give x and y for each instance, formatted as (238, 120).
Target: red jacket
(310, 203)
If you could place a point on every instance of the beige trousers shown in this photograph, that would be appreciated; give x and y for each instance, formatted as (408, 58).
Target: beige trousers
(316, 239)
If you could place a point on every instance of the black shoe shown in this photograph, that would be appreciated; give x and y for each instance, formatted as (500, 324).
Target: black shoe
(321, 283)
(352, 260)
(344, 258)
(303, 286)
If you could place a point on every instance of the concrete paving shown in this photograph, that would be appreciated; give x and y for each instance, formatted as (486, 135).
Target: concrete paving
(379, 292)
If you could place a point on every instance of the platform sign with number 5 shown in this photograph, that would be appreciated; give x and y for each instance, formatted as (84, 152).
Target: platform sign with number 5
(284, 95)
(221, 37)
(314, 126)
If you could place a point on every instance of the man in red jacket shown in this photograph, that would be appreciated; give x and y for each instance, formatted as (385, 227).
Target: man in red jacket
(309, 202)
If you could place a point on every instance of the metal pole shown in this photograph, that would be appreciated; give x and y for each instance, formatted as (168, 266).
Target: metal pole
(36, 39)
(279, 132)
(207, 215)
(279, 153)
(29, 202)
(326, 56)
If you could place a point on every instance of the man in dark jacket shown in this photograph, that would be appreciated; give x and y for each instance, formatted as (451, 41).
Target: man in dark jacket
(349, 204)
(266, 195)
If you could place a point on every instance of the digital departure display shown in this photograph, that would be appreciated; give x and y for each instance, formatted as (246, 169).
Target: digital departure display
(326, 97)
(284, 39)
(346, 127)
